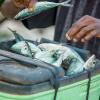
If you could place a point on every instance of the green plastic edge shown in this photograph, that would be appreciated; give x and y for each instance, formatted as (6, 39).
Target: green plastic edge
(29, 97)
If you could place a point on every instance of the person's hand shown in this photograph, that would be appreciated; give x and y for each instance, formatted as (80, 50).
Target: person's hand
(11, 7)
(84, 29)
(24, 3)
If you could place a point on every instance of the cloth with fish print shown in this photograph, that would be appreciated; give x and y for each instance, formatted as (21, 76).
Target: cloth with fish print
(63, 23)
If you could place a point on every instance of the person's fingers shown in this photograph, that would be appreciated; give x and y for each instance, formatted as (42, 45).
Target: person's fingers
(75, 29)
(98, 35)
(74, 24)
(68, 34)
(21, 3)
(89, 36)
(18, 3)
(84, 31)
(77, 26)
(26, 3)
(31, 5)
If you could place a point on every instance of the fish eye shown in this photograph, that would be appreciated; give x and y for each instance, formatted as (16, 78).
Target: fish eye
(94, 62)
(25, 48)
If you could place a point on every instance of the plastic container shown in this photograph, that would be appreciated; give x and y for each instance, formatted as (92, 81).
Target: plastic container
(75, 91)
(71, 88)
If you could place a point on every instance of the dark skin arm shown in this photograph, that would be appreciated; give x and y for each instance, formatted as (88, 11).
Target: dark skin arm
(84, 29)
(11, 7)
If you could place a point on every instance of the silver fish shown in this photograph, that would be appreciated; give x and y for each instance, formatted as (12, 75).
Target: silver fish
(73, 61)
(40, 7)
(53, 57)
(22, 46)
(90, 63)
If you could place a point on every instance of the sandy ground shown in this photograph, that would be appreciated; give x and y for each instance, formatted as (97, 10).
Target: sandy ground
(34, 34)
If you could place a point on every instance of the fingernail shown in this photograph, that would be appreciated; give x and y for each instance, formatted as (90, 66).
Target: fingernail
(68, 37)
(82, 40)
(75, 40)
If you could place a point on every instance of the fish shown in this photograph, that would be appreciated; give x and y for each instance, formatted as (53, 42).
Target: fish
(90, 63)
(40, 7)
(53, 57)
(22, 46)
(68, 58)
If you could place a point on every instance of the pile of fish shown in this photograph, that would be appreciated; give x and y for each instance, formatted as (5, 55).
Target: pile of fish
(54, 54)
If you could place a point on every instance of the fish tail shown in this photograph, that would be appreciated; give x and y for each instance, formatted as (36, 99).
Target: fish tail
(16, 35)
(19, 38)
(67, 3)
